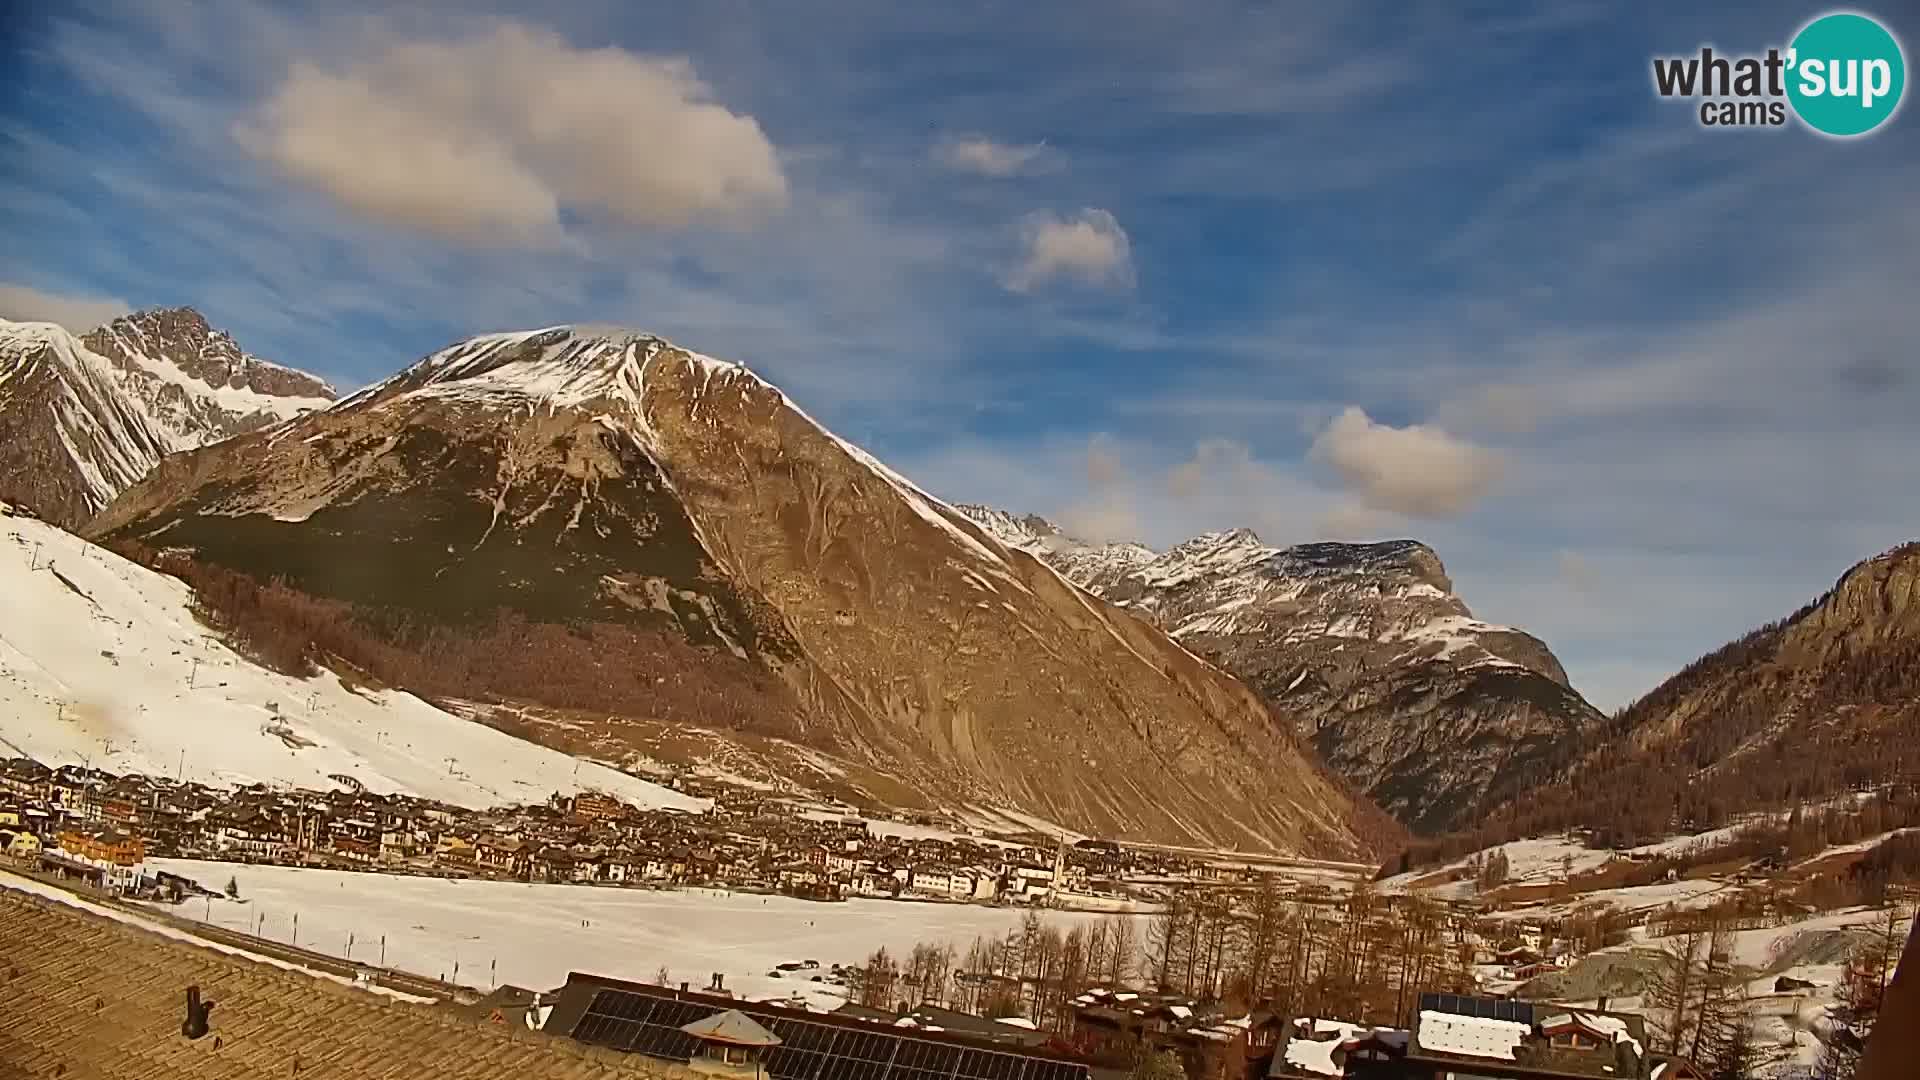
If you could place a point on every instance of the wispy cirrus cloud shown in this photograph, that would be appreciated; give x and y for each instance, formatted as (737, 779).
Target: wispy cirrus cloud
(989, 157)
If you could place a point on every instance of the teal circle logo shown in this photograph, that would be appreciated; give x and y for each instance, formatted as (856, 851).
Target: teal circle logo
(1845, 74)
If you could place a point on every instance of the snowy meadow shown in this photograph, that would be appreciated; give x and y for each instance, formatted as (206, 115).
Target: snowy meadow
(533, 935)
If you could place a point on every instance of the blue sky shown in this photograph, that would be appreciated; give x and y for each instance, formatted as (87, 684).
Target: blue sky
(1356, 271)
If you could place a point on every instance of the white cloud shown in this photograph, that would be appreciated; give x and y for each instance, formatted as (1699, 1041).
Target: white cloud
(488, 139)
(23, 303)
(1089, 247)
(980, 154)
(1416, 470)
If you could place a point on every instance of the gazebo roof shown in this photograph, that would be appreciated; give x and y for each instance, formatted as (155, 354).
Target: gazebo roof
(732, 1027)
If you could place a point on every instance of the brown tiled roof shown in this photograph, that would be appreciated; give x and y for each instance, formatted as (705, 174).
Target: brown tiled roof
(84, 998)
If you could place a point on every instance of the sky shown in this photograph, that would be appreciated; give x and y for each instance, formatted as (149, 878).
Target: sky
(1329, 271)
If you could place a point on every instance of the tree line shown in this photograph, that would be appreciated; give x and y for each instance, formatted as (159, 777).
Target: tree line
(1360, 957)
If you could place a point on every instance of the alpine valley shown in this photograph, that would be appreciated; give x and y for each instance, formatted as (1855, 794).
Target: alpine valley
(595, 539)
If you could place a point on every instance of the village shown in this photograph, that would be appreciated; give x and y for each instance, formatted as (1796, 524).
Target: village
(1226, 967)
(102, 827)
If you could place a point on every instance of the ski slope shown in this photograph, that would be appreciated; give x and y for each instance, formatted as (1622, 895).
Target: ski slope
(103, 662)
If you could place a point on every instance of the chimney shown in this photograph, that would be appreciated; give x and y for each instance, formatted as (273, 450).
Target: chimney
(683, 988)
(1603, 1003)
(718, 981)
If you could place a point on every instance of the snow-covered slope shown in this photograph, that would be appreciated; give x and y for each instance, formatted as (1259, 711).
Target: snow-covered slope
(71, 438)
(197, 381)
(103, 661)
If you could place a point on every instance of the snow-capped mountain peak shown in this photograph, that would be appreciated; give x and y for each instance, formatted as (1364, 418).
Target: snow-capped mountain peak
(197, 381)
(1357, 642)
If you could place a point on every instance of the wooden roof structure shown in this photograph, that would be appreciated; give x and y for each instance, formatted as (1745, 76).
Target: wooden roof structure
(83, 997)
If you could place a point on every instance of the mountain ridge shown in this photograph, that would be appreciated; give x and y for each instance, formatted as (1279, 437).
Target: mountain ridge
(701, 533)
(1407, 696)
(86, 416)
(1821, 703)
(71, 438)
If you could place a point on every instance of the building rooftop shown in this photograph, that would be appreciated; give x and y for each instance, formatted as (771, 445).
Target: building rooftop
(648, 1021)
(82, 996)
(732, 1027)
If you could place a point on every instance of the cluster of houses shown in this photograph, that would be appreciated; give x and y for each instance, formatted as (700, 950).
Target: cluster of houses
(749, 841)
(1448, 1037)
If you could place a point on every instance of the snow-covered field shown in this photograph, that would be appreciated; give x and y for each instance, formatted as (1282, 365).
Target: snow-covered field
(538, 933)
(95, 658)
(1529, 862)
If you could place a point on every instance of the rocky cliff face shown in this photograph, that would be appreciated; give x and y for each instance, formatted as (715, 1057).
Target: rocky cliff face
(196, 380)
(1824, 703)
(634, 492)
(1364, 646)
(1851, 658)
(70, 437)
(85, 417)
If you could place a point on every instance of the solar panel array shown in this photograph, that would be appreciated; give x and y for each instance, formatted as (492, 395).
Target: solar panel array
(644, 1024)
(1485, 1008)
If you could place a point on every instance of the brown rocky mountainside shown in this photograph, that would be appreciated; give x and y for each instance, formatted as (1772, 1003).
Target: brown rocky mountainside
(605, 521)
(1822, 703)
(1433, 713)
(70, 438)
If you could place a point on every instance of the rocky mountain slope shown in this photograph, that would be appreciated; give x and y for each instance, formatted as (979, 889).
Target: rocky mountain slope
(197, 381)
(1815, 708)
(70, 437)
(1430, 711)
(602, 520)
(1822, 703)
(85, 417)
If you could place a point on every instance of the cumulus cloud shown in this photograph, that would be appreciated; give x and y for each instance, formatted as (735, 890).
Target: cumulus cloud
(1418, 470)
(980, 154)
(23, 303)
(488, 139)
(1090, 247)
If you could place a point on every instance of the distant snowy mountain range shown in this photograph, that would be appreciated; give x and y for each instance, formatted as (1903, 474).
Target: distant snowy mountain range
(1365, 646)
